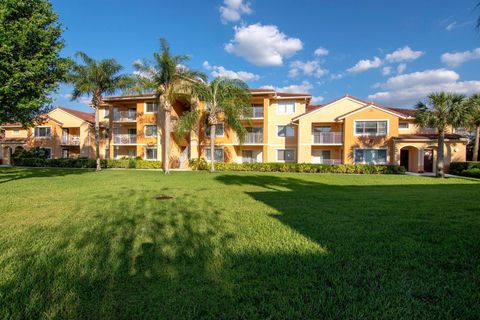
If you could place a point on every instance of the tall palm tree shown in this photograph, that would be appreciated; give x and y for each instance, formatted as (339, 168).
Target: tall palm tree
(95, 78)
(442, 110)
(226, 99)
(473, 104)
(169, 79)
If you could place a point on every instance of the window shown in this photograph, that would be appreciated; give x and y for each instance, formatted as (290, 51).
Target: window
(257, 111)
(218, 154)
(150, 154)
(107, 153)
(403, 125)
(150, 130)
(371, 128)
(219, 130)
(107, 113)
(16, 132)
(285, 131)
(322, 129)
(286, 155)
(115, 153)
(42, 132)
(150, 107)
(371, 156)
(286, 107)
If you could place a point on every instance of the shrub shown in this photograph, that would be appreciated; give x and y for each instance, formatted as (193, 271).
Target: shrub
(457, 168)
(472, 173)
(201, 164)
(86, 163)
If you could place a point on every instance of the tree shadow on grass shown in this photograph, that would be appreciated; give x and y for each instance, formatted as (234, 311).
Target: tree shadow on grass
(185, 259)
(14, 174)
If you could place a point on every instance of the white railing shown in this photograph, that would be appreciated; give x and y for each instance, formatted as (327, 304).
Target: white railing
(71, 140)
(125, 138)
(257, 112)
(124, 116)
(329, 161)
(327, 137)
(253, 138)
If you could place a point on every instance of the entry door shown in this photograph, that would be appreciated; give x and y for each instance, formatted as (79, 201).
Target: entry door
(65, 153)
(247, 156)
(321, 156)
(404, 155)
(428, 161)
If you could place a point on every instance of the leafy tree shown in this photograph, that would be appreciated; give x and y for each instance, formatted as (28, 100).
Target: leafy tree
(227, 99)
(30, 65)
(442, 110)
(169, 79)
(473, 104)
(95, 78)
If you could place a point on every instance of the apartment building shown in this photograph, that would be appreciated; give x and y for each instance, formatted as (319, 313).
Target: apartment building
(284, 127)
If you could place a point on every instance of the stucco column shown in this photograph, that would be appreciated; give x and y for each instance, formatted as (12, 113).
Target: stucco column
(266, 104)
(421, 154)
(304, 142)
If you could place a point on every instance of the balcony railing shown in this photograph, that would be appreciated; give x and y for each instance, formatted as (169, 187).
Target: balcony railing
(71, 140)
(327, 137)
(257, 112)
(329, 161)
(124, 138)
(253, 138)
(124, 116)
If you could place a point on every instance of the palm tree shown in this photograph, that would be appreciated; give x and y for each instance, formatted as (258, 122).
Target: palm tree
(95, 78)
(442, 110)
(226, 99)
(169, 79)
(473, 104)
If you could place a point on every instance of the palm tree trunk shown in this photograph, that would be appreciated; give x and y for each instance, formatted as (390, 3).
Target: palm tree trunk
(440, 154)
(212, 147)
(166, 141)
(97, 139)
(476, 142)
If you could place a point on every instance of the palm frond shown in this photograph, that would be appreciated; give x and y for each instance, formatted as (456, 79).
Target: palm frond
(185, 124)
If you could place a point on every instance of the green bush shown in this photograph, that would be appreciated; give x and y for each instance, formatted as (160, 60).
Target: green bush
(201, 164)
(472, 173)
(86, 163)
(457, 168)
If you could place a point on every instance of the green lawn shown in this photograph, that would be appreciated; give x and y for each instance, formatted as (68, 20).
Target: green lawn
(80, 244)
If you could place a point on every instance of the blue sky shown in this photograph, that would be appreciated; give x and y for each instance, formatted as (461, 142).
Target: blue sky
(393, 53)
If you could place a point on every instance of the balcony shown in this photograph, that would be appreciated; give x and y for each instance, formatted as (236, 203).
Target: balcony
(323, 138)
(254, 138)
(71, 140)
(125, 116)
(125, 139)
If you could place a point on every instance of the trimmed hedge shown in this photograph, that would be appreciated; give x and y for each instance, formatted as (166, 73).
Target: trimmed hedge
(457, 168)
(300, 167)
(86, 163)
(472, 173)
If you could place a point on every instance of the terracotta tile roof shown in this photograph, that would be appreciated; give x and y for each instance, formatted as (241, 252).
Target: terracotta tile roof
(430, 136)
(85, 116)
(407, 112)
(11, 124)
(129, 96)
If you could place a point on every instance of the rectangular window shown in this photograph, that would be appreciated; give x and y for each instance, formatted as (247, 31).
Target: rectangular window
(219, 130)
(218, 154)
(16, 132)
(371, 128)
(285, 131)
(150, 107)
(107, 113)
(150, 130)
(286, 107)
(42, 132)
(150, 154)
(115, 153)
(257, 111)
(403, 125)
(287, 155)
(371, 156)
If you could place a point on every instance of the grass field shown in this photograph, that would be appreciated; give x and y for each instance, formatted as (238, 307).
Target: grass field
(80, 244)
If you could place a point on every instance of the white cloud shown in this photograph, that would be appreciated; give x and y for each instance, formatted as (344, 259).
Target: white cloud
(219, 71)
(303, 87)
(455, 59)
(408, 89)
(308, 68)
(317, 99)
(263, 45)
(401, 68)
(320, 52)
(403, 54)
(386, 71)
(364, 65)
(232, 10)
(336, 76)
(455, 25)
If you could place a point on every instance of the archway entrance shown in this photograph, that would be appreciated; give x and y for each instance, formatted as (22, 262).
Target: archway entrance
(409, 158)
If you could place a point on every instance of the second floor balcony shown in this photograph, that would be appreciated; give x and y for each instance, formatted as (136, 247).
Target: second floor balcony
(71, 140)
(325, 138)
(125, 115)
(254, 138)
(125, 139)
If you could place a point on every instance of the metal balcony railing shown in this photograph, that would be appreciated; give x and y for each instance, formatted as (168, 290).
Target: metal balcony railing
(327, 137)
(125, 138)
(253, 138)
(124, 116)
(71, 140)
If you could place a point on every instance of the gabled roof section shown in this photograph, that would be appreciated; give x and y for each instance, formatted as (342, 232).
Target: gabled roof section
(85, 116)
(129, 97)
(371, 105)
(331, 103)
(410, 113)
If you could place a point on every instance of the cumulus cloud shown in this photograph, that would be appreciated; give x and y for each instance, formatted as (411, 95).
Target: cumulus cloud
(401, 68)
(320, 52)
(232, 10)
(364, 65)
(386, 71)
(403, 54)
(317, 99)
(303, 87)
(219, 71)
(307, 68)
(454, 59)
(263, 45)
(407, 89)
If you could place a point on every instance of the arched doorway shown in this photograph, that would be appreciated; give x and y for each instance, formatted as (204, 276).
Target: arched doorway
(409, 158)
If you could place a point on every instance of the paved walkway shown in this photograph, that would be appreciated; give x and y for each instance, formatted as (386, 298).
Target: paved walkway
(429, 174)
